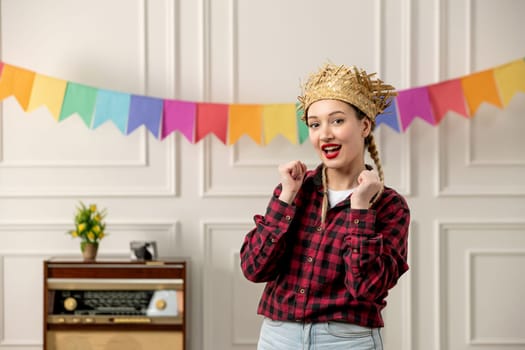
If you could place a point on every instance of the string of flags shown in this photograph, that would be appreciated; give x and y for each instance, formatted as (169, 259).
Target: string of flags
(261, 122)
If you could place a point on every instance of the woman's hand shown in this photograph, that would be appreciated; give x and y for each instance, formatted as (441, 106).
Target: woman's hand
(369, 185)
(292, 176)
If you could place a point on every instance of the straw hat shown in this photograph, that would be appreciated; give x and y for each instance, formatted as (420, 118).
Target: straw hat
(347, 84)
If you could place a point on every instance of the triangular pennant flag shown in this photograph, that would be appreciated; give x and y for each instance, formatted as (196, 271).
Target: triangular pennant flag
(48, 91)
(447, 96)
(179, 115)
(1, 68)
(478, 88)
(245, 119)
(145, 111)
(79, 99)
(510, 79)
(112, 106)
(302, 127)
(17, 82)
(389, 116)
(279, 119)
(212, 118)
(413, 103)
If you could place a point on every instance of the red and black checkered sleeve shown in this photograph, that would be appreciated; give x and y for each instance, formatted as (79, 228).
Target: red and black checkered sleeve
(265, 244)
(376, 244)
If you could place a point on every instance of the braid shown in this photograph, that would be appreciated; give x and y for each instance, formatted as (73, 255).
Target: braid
(324, 207)
(372, 149)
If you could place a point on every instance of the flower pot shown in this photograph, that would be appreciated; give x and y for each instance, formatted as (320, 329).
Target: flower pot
(89, 250)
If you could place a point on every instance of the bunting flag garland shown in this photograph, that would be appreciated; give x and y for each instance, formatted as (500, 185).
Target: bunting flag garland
(260, 122)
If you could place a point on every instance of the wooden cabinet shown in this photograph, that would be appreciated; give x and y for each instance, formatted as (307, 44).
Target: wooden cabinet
(115, 303)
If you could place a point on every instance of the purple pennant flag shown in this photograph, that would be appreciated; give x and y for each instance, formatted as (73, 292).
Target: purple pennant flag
(179, 115)
(389, 116)
(414, 103)
(146, 111)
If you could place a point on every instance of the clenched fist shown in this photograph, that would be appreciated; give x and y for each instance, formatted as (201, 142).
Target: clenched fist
(368, 188)
(292, 176)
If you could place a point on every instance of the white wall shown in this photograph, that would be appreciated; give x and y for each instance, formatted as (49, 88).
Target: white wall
(463, 179)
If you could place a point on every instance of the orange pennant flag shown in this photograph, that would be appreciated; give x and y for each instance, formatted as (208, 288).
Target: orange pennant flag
(245, 119)
(279, 119)
(47, 91)
(510, 79)
(18, 82)
(480, 87)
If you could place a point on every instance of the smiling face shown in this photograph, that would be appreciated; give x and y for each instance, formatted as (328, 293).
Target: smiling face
(337, 133)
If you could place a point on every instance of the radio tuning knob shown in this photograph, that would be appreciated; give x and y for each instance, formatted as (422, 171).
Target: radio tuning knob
(160, 304)
(70, 304)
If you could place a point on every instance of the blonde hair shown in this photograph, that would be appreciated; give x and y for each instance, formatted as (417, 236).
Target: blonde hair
(369, 96)
(371, 146)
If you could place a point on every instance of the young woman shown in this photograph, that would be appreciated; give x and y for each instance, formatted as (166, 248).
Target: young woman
(333, 240)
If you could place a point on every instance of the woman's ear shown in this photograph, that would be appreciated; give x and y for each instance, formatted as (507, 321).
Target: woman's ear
(367, 126)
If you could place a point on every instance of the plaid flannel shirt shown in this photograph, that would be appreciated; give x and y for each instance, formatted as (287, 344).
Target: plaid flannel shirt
(339, 272)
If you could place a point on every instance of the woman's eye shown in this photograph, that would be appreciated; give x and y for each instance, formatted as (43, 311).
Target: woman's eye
(313, 125)
(339, 121)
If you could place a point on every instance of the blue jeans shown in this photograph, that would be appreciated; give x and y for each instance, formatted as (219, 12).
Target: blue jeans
(282, 335)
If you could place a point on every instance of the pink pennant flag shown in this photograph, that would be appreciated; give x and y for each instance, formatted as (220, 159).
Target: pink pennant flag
(414, 103)
(447, 96)
(179, 115)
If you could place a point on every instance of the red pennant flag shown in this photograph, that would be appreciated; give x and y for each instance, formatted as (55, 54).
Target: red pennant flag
(447, 96)
(212, 118)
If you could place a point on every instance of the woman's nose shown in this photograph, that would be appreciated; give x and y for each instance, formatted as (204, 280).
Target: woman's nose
(326, 134)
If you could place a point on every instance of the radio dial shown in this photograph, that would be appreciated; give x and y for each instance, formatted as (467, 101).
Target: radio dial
(160, 304)
(70, 304)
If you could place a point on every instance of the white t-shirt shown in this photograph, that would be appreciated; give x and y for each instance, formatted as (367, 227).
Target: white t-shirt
(335, 197)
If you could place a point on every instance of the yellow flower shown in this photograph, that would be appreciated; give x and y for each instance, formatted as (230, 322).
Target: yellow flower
(89, 223)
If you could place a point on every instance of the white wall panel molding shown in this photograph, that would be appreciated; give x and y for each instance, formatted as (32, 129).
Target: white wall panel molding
(471, 257)
(133, 166)
(223, 284)
(50, 238)
(490, 234)
(459, 175)
(117, 187)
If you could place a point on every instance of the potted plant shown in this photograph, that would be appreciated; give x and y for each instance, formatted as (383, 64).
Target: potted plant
(90, 228)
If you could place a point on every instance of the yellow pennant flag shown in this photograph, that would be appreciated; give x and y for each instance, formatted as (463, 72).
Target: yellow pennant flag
(18, 82)
(48, 91)
(480, 87)
(244, 119)
(510, 79)
(279, 119)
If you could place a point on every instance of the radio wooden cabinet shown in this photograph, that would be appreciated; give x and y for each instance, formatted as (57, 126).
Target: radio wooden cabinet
(115, 304)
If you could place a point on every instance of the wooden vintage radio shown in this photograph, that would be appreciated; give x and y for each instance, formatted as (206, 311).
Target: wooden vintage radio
(114, 304)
